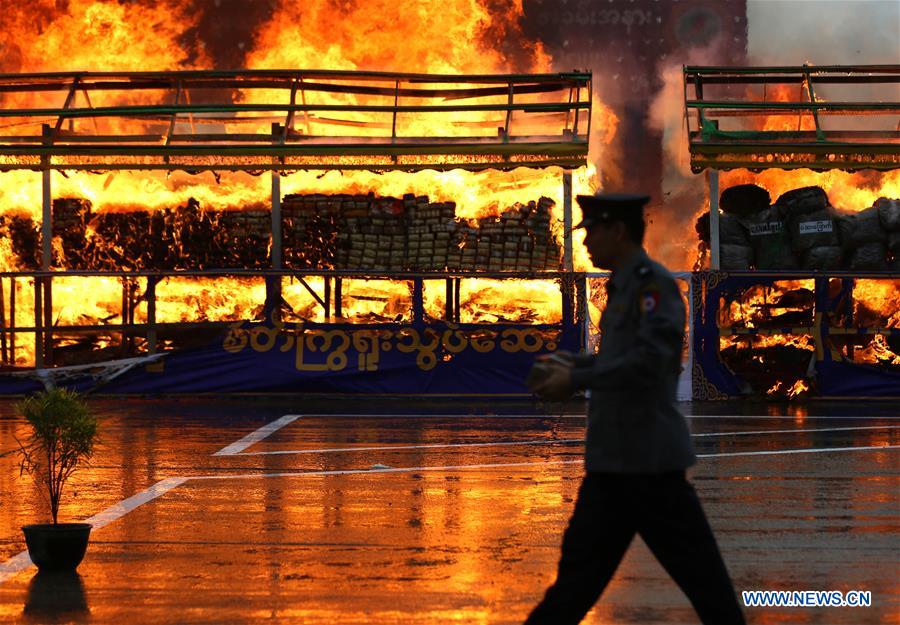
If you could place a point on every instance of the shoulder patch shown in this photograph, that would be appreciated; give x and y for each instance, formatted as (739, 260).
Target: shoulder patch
(648, 298)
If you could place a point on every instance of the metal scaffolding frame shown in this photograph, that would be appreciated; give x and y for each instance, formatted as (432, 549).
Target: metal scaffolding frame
(251, 120)
(571, 291)
(169, 132)
(747, 144)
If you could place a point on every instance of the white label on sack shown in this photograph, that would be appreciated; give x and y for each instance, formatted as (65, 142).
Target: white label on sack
(813, 227)
(772, 227)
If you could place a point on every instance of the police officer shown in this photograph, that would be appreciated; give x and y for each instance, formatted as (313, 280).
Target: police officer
(638, 444)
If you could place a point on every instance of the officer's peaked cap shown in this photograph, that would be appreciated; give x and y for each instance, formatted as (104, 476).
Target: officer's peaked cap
(608, 207)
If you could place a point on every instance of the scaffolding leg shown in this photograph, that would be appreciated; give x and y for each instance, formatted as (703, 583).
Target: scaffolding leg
(276, 221)
(272, 307)
(448, 304)
(418, 302)
(568, 299)
(583, 313)
(47, 213)
(4, 357)
(48, 321)
(38, 325)
(714, 259)
(12, 321)
(338, 295)
(151, 315)
(568, 262)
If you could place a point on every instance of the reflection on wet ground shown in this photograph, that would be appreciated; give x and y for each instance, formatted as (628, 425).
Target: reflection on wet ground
(444, 513)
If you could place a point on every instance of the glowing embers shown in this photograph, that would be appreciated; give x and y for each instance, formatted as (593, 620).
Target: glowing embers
(192, 299)
(881, 350)
(782, 304)
(876, 309)
(876, 303)
(356, 300)
(766, 336)
(775, 364)
(485, 300)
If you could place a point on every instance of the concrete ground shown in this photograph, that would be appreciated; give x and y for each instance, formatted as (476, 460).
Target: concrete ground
(292, 510)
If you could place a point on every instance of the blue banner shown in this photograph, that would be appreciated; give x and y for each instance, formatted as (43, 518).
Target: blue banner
(830, 319)
(421, 359)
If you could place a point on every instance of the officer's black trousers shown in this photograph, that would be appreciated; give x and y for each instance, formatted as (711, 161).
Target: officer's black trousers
(665, 511)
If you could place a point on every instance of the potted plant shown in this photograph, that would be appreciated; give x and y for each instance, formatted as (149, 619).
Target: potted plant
(62, 439)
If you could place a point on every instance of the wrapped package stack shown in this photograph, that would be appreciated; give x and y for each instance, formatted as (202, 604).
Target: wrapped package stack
(412, 233)
(521, 238)
(187, 237)
(347, 232)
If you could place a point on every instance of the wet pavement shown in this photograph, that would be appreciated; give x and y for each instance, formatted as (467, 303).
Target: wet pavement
(436, 512)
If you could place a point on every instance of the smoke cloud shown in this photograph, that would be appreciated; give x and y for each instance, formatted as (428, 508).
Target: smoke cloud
(823, 32)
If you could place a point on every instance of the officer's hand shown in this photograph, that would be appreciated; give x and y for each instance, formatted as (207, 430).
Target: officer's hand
(562, 356)
(556, 382)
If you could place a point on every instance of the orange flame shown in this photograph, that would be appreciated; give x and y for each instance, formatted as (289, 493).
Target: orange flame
(453, 36)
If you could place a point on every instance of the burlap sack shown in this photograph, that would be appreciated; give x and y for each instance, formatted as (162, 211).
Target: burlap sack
(858, 229)
(812, 229)
(889, 213)
(802, 201)
(735, 257)
(770, 241)
(732, 231)
(893, 244)
(744, 199)
(826, 257)
(871, 256)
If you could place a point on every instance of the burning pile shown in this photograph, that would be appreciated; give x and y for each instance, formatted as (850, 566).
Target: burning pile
(187, 237)
(389, 234)
(770, 363)
(350, 232)
(25, 242)
(802, 230)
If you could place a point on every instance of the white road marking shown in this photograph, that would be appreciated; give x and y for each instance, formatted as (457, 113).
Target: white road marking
(22, 561)
(844, 429)
(562, 441)
(250, 476)
(254, 437)
(795, 417)
(355, 415)
(15, 564)
(117, 511)
(582, 415)
(780, 452)
(282, 452)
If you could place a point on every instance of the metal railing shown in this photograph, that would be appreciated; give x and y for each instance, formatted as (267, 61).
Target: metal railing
(288, 120)
(743, 117)
(44, 328)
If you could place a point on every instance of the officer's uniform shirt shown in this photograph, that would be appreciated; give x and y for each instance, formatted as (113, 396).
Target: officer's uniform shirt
(634, 425)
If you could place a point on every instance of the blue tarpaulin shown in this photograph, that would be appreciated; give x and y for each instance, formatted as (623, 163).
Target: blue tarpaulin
(834, 375)
(438, 358)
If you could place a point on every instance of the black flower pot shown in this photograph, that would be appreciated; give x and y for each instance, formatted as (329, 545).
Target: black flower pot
(58, 547)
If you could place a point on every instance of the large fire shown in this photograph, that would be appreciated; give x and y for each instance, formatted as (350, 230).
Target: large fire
(453, 36)
(459, 36)
(847, 191)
